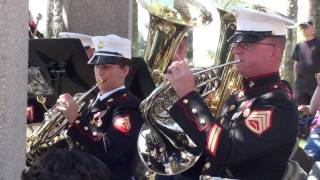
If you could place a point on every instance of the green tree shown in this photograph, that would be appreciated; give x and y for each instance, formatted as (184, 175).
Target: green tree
(314, 14)
(135, 31)
(287, 63)
(55, 23)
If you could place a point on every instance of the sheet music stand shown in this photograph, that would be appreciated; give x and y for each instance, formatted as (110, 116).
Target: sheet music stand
(63, 63)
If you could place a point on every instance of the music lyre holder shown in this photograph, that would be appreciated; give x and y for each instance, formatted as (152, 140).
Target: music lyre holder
(56, 70)
(37, 83)
(64, 63)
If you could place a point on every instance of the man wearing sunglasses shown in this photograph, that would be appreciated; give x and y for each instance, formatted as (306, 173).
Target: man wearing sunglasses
(306, 58)
(253, 136)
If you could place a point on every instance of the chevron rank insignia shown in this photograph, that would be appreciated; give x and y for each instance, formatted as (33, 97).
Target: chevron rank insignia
(122, 123)
(213, 139)
(259, 121)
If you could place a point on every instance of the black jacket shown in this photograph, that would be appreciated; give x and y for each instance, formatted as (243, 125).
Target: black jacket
(253, 136)
(109, 131)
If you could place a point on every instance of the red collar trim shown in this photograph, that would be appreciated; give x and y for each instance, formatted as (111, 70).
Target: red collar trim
(261, 76)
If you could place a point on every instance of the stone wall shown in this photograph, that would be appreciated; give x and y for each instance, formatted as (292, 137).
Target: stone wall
(13, 86)
(83, 16)
(99, 17)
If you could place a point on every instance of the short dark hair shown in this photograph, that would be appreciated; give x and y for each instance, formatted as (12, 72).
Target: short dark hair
(124, 62)
(65, 164)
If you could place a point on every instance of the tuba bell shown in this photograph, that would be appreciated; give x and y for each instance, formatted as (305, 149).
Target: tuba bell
(169, 20)
(230, 80)
(162, 144)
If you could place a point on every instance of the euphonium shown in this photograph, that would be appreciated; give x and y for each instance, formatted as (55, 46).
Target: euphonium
(52, 128)
(169, 20)
(162, 145)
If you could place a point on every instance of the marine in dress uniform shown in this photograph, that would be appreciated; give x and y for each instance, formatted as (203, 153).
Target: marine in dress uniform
(109, 127)
(254, 135)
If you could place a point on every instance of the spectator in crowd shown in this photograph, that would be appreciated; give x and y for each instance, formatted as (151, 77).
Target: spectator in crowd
(306, 57)
(312, 147)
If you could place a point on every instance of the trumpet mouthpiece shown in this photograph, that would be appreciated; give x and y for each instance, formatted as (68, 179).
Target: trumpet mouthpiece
(100, 82)
(237, 61)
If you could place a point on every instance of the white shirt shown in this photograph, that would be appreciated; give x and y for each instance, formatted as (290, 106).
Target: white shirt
(108, 93)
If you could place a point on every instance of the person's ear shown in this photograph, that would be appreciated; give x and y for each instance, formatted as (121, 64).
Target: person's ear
(276, 51)
(126, 70)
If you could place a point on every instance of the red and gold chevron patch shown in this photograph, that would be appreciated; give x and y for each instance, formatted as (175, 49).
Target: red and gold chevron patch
(122, 123)
(259, 121)
(213, 139)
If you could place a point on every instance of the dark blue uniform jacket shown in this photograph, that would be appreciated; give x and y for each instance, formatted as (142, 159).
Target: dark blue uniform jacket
(253, 136)
(109, 130)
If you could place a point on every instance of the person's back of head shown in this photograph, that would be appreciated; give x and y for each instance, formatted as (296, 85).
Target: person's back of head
(64, 164)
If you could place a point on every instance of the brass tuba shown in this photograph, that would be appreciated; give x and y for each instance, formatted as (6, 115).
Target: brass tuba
(51, 129)
(230, 80)
(162, 145)
(169, 20)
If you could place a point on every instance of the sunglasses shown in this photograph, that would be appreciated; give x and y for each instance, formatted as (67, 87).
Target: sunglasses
(304, 26)
(250, 45)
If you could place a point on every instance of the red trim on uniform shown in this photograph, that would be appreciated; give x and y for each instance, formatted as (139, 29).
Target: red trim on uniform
(124, 96)
(213, 139)
(285, 86)
(30, 113)
(193, 120)
(32, 24)
(261, 76)
(247, 104)
(97, 115)
(269, 87)
(98, 137)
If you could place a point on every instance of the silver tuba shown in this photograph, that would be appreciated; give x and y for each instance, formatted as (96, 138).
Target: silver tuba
(162, 145)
